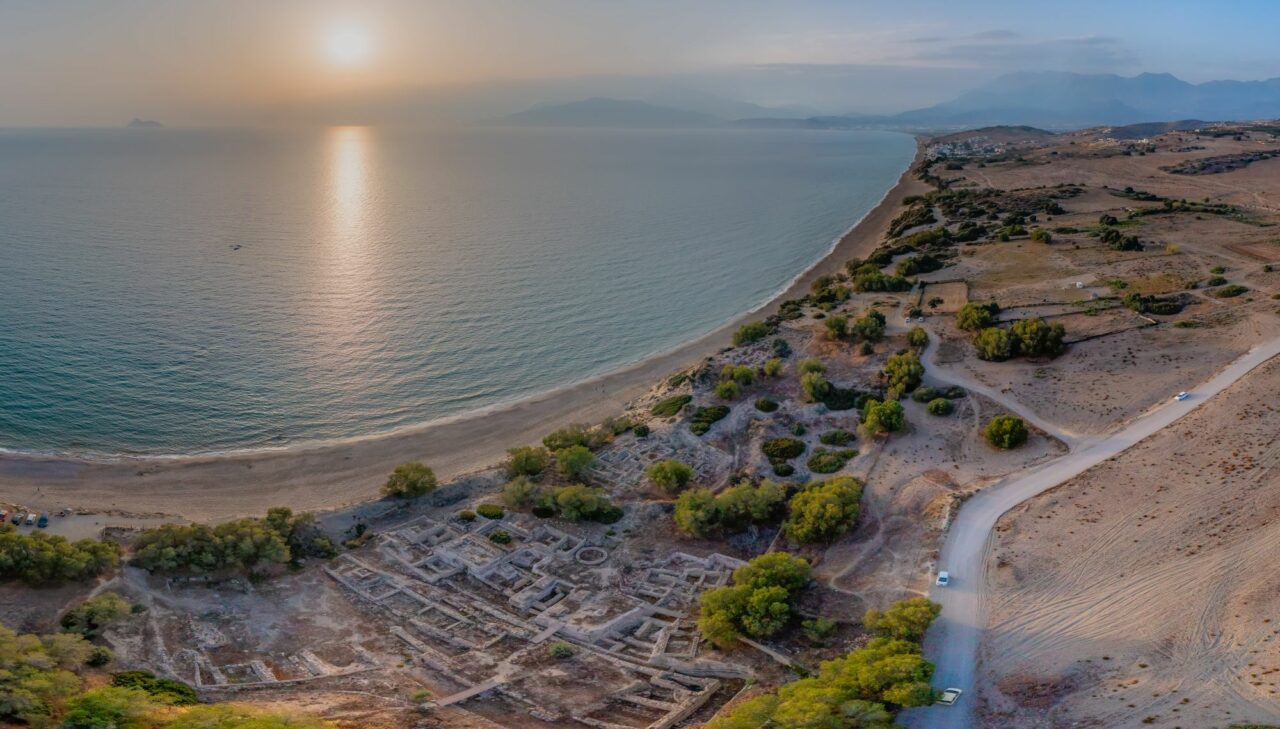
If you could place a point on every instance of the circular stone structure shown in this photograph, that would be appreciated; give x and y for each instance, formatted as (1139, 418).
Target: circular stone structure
(591, 555)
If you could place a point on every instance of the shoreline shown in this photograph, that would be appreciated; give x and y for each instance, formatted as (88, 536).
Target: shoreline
(328, 475)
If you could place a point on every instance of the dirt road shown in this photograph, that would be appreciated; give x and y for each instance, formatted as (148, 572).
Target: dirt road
(952, 643)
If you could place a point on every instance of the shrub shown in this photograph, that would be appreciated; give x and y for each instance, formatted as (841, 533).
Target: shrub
(818, 630)
(490, 511)
(750, 332)
(757, 603)
(1227, 292)
(974, 317)
(940, 406)
(1215, 281)
(773, 368)
(94, 614)
(825, 461)
(780, 346)
(641, 431)
(837, 437)
(823, 510)
(869, 328)
(1040, 235)
(466, 515)
(741, 374)
(883, 417)
(995, 344)
(671, 406)
(409, 481)
(917, 337)
(782, 449)
(100, 656)
(837, 327)
(765, 405)
(783, 469)
(811, 365)
(566, 437)
(39, 559)
(1006, 431)
(498, 536)
(527, 461)
(575, 461)
(923, 263)
(869, 277)
(560, 650)
(924, 394)
(728, 390)
(669, 475)
(903, 372)
(1218, 270)
(814, 387)
(520, 493)
(704, 418)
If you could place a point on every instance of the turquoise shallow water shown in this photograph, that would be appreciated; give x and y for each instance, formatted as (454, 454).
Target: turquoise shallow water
(169, 292)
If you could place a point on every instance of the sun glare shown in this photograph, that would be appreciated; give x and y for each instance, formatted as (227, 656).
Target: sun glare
(347, 45)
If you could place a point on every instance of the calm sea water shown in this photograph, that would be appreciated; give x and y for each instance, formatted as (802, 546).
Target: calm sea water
(169, 291)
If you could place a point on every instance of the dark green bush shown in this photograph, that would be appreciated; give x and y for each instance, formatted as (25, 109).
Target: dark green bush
(750, 332)
(490, 511)
(671, 406)
(765, 405)
(783, 449)
(940, 406)
(837, 437)
(705, 417)
(1006, 431)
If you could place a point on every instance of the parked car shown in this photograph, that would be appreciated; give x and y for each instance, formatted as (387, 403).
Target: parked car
(18, 516)
(4, 515)
(31, 520)
(949, 696)
(43, 521)
(944, 579)
(1182, 396)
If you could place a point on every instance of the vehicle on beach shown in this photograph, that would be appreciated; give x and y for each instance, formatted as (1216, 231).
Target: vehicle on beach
(944, 579)
(949, 696)
(1182, 396)
(43, 521)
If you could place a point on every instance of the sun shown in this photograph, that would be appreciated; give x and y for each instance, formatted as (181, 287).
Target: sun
(347, 45)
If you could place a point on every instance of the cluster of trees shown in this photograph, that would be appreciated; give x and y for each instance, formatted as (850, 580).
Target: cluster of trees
(869, 277)
(409, 481)
(815, 387)
(827, 291)
(1032, 337)
(867, 328)
(751, 332)
(1006, 431)
(575, 502)
(703, 513)
(232, 546)
(39, 559)
(670, 475)
(922, 263)
(974, 317)
(758, 603)
(94, 614)
(1115, 239)
(862, 690)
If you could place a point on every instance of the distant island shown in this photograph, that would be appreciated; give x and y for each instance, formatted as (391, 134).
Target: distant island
(137, 123)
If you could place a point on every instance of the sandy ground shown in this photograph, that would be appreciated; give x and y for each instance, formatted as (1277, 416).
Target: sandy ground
(324, 477)
(1142, 593)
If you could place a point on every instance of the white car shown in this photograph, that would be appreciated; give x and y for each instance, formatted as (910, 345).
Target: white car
(944, 579)
(1182, 396)
(949, 696)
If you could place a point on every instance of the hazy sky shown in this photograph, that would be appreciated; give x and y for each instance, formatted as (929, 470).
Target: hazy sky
(264, 61)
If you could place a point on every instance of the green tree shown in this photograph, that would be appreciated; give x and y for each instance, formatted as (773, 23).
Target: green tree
(521, 493)
(669, 475)
(575, 461)
(1041, 235)
(111, 707)
(1038, 338)
(811, 364)
(728, 390)
(773, 367)
(753, 713)
(409, 481)
(580, 503)
(527, 461)
(226, 716)
(995, 344)
(696, 512)
(567, 437)
(917, 337)
(823, 510)
(883, 417)
(973, 317)
(1006, 431)
(869, 328)
(741, 374)
(903, 372)
(94, 614)
(40, 559)
(750, 332)
(905, 619)
(758, 603)
(815, 387)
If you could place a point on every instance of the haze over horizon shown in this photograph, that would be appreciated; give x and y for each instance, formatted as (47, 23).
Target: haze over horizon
(211, 63)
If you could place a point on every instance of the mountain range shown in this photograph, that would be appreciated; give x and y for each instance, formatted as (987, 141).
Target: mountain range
(1053, 100)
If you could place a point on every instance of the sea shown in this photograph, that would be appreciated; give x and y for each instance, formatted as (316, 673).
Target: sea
(169, 292)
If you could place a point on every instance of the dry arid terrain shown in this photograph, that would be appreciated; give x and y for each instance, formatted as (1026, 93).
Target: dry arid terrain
(1136, 594)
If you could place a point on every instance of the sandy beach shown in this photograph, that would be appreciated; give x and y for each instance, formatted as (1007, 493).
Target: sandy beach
(329, 476)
